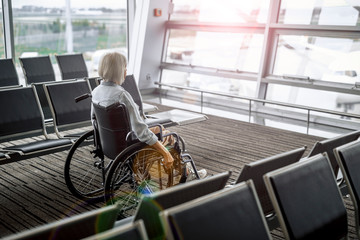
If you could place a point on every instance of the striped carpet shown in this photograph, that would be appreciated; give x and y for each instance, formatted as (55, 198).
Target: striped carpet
(33, 192)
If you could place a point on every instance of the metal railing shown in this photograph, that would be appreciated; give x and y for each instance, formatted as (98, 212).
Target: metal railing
(251, 100)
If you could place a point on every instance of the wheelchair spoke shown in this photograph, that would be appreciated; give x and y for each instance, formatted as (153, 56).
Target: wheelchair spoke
(137, 172)
(84, 173)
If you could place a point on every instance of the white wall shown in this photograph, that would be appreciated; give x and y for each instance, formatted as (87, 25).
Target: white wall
(147, 42)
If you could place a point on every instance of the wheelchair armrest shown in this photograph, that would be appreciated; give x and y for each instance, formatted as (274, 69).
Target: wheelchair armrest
(131, 137)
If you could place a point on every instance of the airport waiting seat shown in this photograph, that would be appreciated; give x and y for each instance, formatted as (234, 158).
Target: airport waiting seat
(21, 119)
(75, 227)
(130, 85)
(257, 169)
(328, 146)
(130, 231)
(307, 200)
(72, 66)
(38, 70)
(166, 118)
(348, 157)
(94, 82)
(66, 113)
(232, 213)
(8, 74)
(151, 205)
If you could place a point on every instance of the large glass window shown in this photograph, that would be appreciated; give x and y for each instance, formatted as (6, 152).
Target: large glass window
(46, 27)
(314, 98)
(320, 12)
(231, 51)
(210, 83)
(322, 58)
(230, 11)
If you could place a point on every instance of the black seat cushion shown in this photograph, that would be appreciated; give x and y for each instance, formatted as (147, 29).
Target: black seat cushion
(310, 200)
(8, 76)
(72, 66)
(63, 95)
(151, 205)
(22, 115)
(40, 145)
(234, 215)
(350, 160)
(37, 69)
(256, 170)
(328, 145)
(130, 86)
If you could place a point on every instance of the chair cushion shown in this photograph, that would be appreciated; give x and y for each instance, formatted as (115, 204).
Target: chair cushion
(351, 163)
(40, 145)
(312, 205)
(233, 214)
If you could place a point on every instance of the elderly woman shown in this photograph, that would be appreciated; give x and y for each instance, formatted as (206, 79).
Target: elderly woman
(112, 69)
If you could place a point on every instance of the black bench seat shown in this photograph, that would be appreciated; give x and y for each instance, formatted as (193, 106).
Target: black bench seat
(21, 119)
(39, 146)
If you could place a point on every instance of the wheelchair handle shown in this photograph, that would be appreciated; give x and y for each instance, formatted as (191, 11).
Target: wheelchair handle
(82, 97)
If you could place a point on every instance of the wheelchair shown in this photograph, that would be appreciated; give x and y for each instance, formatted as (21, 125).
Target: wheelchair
(110, 163)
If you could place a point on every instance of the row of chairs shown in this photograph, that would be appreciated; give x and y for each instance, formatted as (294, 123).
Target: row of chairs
(48, 105)
(40, 69)
(304, 194)
(25, 116)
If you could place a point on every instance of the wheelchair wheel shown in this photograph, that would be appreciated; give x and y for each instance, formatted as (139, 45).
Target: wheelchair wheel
(84, 172)
(137, 170)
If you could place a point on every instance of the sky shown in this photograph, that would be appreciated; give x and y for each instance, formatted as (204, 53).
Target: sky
(74, 3)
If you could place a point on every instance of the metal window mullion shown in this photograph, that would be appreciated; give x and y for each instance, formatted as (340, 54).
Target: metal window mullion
(302, 27)
(268, 53)
(210, 71)
(8, 29)
(317, 33)
(316, 85)
(216, 27)
(130, 10)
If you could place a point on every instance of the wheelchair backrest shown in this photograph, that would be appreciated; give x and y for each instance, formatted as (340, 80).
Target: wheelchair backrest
(113, 125)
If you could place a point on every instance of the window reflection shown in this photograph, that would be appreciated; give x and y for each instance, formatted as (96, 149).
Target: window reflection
(232, 51)
(322, 58)
(236, 11)
(40, 28)
(321, 12)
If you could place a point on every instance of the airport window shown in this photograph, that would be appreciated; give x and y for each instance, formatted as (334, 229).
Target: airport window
(322, 58)
(321, 12)
(210, 83)
(230, 51)
(313, 45)
(341, 102)
(91, 27)
(229, 11)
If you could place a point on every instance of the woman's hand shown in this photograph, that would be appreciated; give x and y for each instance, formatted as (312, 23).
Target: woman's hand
(168, 159)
